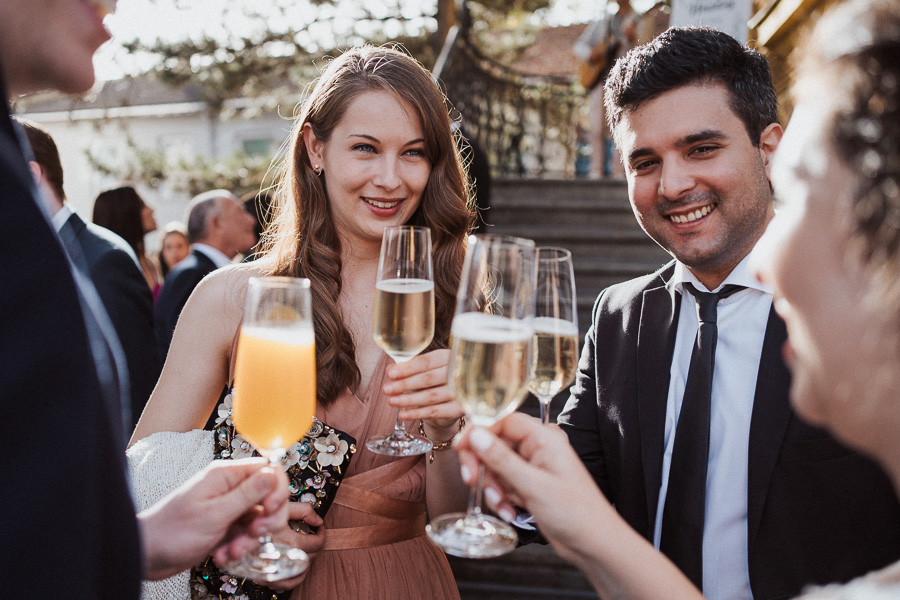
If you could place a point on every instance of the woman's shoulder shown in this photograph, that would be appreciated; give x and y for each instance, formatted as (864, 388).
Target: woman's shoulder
(231, 278)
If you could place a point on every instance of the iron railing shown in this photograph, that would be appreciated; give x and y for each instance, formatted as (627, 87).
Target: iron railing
(526, 124)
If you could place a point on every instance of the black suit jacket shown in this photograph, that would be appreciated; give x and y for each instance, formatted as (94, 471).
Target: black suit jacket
(128, 301)
(176, 290)
(65, 507)
(817, 511)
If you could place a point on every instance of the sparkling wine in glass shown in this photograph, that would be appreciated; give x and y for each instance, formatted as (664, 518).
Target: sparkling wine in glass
(555, 356)
(489, 370)
(274, 396)
(403, 321)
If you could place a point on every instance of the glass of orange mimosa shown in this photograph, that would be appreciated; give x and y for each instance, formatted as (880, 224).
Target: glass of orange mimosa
(274, 395)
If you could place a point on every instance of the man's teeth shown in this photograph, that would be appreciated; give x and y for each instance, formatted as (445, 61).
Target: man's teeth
(692, 216)
(381, 204)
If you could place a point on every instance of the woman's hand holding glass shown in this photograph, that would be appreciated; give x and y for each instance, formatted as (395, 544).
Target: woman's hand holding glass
(420, 389)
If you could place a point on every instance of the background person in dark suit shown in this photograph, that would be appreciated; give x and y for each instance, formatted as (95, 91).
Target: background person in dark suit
(113, 269)
(219, 228)
(65, 506)
(784, 504)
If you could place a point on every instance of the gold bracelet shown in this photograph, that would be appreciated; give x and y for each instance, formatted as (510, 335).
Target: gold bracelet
(438, 446)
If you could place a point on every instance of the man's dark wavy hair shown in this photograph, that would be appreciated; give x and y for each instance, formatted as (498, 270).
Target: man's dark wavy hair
(693, 55)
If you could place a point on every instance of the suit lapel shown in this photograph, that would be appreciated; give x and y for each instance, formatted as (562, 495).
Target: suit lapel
(771, 414)
(656, 343)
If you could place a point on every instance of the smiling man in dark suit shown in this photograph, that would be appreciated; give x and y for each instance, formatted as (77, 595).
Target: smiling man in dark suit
(219, 228)
(113, 268)
(680, 410)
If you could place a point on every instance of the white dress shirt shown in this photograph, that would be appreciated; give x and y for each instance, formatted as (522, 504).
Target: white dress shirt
(742, 320)
(213, 254)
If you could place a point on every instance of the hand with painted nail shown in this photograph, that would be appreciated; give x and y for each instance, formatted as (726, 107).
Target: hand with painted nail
(419, 388)
(532, 465)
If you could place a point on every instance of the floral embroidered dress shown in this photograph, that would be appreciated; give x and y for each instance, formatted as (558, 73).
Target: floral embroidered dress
(375, 542)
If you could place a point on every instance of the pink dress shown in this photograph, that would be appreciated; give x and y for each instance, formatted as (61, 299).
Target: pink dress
(375, 542)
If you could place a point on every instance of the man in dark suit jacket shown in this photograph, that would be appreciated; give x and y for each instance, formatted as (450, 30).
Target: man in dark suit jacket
(784, 505)
(219, 228)
(113, 268)
(65, 506)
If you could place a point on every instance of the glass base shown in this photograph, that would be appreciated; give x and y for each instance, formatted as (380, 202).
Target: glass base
(270, 562)
(472, 535)
(403, 444)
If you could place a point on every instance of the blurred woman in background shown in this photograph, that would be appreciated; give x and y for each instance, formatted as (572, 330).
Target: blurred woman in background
(174, 246)
(123, 211)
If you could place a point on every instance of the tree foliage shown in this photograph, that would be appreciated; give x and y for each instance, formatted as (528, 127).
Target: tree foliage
(275, 56)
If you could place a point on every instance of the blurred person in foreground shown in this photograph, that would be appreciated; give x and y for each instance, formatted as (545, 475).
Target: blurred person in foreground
(219, 229)
(65, 507)
(174, 246)
(123, 211)
(114, 271)
(833, 256)
(371, 147)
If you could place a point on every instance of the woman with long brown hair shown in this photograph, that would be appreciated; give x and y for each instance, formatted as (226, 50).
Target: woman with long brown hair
(371, 147)
(124, 212)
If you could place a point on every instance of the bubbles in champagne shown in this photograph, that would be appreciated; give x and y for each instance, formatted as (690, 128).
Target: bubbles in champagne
(403, 322)
(491, 364)
(555, 356)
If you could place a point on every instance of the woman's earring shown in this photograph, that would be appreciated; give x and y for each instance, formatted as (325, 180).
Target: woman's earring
(318, 169)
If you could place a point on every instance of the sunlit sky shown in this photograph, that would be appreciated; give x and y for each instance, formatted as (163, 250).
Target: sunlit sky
(172, 20)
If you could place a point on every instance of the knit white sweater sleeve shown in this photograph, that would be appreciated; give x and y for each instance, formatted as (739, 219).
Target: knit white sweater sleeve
(158, 464)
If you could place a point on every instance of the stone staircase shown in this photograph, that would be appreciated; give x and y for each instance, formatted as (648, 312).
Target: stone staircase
(593, 220)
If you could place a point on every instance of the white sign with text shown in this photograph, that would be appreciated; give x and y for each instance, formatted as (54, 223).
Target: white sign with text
(730, 16)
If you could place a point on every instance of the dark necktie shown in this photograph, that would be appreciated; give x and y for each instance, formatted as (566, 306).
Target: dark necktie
(684, 511)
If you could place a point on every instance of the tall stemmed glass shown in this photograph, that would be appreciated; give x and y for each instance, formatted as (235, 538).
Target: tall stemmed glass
(403, 323)
(490, 369)
(274, 396)
(555, 327)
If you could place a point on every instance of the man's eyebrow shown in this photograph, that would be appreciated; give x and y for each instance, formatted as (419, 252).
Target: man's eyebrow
(701, 136)
(638, 153)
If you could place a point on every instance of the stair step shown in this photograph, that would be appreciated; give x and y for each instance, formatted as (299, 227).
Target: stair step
(529, 572)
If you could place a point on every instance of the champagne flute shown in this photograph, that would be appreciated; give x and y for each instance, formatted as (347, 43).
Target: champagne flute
(274, 396)
(490, 369)
(555, 327)
(403, 322)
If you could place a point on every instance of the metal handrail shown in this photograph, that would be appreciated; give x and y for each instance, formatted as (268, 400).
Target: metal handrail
(526, 124)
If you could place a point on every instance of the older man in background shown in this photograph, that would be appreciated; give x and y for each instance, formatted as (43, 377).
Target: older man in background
(219, 228)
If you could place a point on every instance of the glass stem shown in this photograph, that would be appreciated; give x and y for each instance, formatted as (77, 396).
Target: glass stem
(275, 458)
(399, 427)
(545, 409)
(475, 491)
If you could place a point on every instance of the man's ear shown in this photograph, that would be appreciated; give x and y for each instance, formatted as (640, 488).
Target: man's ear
(768, 143)
(36, 171)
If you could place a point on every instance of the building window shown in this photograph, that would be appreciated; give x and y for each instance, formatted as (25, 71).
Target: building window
(256, 147)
